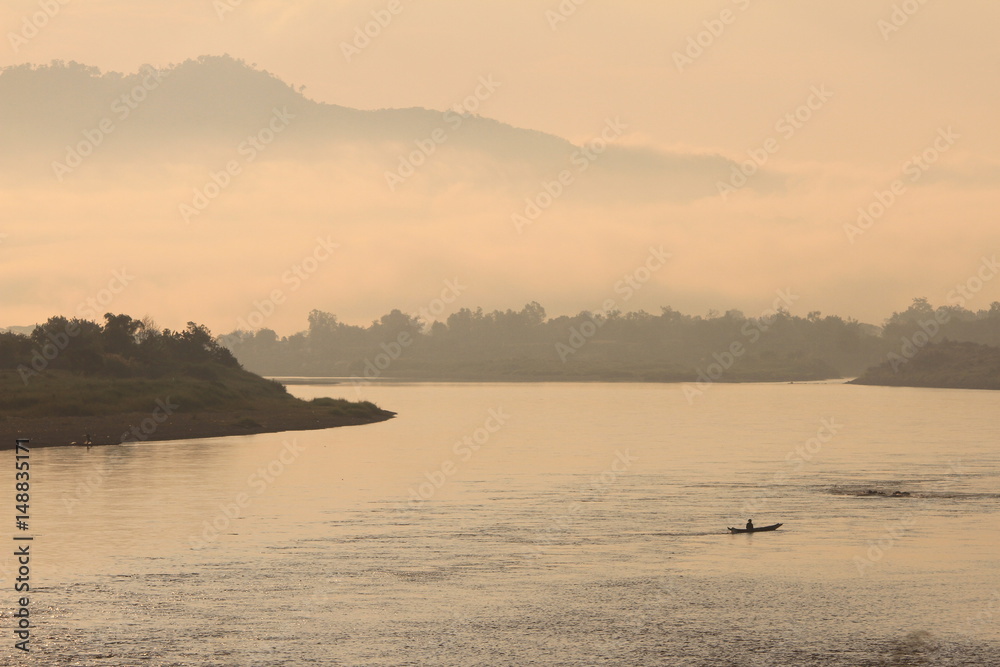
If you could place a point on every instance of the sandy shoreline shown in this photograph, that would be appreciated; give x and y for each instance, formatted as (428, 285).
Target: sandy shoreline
(133, 427)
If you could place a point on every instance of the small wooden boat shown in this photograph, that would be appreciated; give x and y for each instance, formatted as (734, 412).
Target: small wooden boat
(755, 529)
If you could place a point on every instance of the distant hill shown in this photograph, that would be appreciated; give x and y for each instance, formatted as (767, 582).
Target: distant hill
(193, 110)
(950, 365)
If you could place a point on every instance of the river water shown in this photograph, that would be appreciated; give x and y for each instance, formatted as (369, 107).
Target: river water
(549, 524)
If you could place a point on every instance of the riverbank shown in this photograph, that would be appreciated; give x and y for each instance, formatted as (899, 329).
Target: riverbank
(946, 365)
(728, 371)
(62, 408)
(147, 427)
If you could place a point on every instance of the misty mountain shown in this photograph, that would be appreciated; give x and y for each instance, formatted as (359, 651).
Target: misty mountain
(200, 110)
(24, 331)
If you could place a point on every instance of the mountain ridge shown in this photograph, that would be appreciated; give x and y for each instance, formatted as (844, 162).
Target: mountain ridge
(181, 111)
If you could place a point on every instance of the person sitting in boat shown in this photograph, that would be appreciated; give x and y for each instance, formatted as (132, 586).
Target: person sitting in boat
(749, 524)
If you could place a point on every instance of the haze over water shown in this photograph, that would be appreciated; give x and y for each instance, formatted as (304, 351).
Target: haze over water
(531, 150)
(588, 529)
(517, 190)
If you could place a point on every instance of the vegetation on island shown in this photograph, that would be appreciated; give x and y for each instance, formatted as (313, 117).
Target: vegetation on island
(949, 364)
(75, 368)
(528, 345)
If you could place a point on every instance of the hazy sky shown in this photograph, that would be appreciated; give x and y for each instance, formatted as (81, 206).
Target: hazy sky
(884, 86)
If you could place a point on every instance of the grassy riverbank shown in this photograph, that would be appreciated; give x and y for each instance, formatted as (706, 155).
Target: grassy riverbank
(59, 408)
(127, 382)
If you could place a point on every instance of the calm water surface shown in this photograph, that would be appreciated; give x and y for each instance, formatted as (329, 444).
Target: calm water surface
(550, 524)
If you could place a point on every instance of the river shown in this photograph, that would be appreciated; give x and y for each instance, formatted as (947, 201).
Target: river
(549, 524)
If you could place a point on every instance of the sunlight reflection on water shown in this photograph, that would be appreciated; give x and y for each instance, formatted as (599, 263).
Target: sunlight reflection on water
(589, 528)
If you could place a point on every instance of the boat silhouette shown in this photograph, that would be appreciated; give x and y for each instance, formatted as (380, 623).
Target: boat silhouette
(774, 526)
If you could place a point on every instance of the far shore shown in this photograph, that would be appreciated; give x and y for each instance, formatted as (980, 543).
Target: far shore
(141, 427)
(319, 380)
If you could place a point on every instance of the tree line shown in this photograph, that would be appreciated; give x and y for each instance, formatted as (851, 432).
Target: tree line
(509, 345)
(669, 346)
(120, 347)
